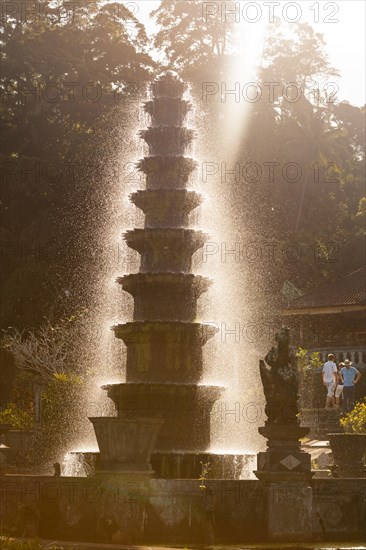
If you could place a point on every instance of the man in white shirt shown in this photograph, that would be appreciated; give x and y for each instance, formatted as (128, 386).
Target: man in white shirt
(330, 379)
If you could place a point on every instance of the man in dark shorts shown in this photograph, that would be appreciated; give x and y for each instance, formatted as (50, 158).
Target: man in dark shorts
(350, 376)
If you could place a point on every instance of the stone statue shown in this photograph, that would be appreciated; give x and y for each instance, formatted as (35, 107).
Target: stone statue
(281, 381)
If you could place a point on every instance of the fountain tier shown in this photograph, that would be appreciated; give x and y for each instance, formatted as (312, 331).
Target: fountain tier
(167, 111)
(165, 296)
(159, 351)
(166, 172)
(167, 140)
(166, 207)
(165, 249)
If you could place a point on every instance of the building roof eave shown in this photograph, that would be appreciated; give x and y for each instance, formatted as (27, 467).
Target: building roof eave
(325, 310)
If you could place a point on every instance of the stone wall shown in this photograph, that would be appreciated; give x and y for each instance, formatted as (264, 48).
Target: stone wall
(132, 511)
(339, 509)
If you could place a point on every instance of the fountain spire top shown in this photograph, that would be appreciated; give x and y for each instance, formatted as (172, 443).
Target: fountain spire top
(168, 84)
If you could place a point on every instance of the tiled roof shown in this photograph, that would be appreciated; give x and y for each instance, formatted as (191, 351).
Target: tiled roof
(348, 291)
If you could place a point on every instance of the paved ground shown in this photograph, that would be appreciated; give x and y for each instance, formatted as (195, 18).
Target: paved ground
(321, 456)
(48, 544)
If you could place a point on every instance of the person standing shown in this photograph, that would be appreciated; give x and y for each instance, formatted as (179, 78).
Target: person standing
(350, 376)
(339, 387)
(330, 379)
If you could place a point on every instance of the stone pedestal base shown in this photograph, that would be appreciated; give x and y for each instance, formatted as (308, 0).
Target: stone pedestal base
(283, 460)
(286, 472)
(290, 511)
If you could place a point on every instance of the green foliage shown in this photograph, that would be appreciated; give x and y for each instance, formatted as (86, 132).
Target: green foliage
(307, 364)
(54, 99)
(50, 352)
(68, 378)
(190, 41)
(49, 358)
(18, 418)
(355, 421)
(60, 409)
(22, 393)
(362, 207)
(306, 360)
(205, 468)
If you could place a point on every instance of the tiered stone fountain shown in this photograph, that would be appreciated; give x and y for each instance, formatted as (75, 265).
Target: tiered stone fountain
(162, 405)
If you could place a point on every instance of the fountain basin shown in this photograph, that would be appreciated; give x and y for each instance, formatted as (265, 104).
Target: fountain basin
(80, 463)
(185, 408)
(175, 513)
(126, 445)
(174, 465)
(189, 465)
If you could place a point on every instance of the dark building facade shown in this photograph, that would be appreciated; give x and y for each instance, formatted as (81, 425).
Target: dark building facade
(332, 319)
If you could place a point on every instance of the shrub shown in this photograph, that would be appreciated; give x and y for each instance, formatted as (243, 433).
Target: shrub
(355, 421)
(19, 419)
(306, 361)
(50, 357)
(308, 375)
(60, 403)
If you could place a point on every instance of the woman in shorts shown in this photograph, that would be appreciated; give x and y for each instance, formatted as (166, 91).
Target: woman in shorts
(330, 377)
(339, 387)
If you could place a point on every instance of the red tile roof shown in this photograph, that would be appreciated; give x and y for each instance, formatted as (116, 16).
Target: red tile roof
(348, 291)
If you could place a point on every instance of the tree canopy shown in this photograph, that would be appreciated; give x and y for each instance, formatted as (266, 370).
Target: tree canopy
(63, 79)
(62, 73)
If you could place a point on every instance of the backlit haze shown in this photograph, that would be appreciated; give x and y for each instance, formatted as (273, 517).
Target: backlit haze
(345, 39)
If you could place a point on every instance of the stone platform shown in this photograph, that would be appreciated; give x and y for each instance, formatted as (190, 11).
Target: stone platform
(128, 510)
(90, 546)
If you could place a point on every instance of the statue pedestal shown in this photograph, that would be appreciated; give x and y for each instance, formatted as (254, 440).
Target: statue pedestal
(290, 511)
(283, 460)
(286, 472)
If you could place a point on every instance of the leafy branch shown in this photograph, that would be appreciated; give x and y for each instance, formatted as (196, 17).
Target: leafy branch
(48, 352)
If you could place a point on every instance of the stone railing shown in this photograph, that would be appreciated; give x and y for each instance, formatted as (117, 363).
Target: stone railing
(312, 390)
(355, 354)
